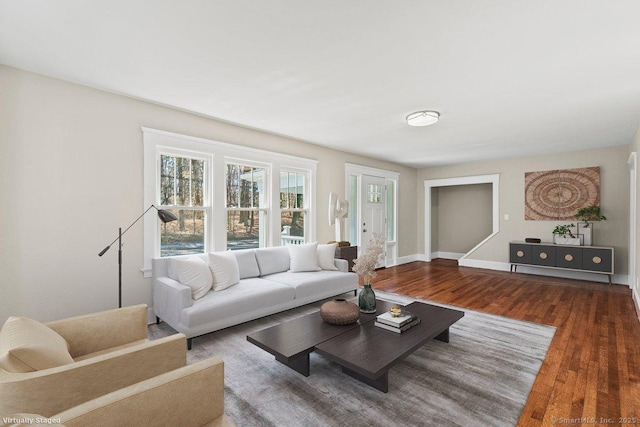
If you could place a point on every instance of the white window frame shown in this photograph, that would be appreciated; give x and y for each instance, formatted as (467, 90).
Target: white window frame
(264, 209)
(218, 154)
(306, 205)
(168, 151)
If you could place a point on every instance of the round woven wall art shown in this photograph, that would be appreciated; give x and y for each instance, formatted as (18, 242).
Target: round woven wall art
(558, 194)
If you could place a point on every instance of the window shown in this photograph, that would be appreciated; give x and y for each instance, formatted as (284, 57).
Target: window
(391, 210)
(226, 196)
(293, 208)
(246, 206)
(182, 191)
(374, 193)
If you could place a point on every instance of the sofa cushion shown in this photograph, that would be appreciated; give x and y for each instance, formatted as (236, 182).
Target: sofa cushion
(27, 345)
(224, 267)
(326, 256)
(249, 295)
(317, 282)
(194, 272)
(272, 260)
(172, 268)
(247, 264)
(303, 257)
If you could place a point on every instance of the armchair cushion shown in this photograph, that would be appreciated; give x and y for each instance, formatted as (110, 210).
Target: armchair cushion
(189, 396)
(27, 345)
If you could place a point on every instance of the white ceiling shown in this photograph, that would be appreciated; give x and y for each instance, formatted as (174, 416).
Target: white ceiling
(509, 77)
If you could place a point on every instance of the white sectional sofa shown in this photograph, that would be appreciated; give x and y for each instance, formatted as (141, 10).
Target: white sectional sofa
(267, 281)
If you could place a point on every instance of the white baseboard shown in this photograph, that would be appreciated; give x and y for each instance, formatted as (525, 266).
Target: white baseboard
(446, 255)
(636, 297)
(489, 265)
(410, 258)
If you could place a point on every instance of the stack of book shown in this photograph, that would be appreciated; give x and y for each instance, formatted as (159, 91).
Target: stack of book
(399, 324)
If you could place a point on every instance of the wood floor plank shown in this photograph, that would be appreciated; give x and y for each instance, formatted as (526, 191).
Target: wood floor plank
(592, 368)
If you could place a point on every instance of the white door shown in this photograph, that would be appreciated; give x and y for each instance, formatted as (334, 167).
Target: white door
(373, 209)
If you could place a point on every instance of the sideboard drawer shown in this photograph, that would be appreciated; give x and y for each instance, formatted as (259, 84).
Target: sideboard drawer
(543, 255)
(569, 257)
(597, 259)
(519, 254)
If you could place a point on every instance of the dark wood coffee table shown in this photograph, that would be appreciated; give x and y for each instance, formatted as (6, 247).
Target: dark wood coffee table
(292, 341)
(367, 354)
(364, 351)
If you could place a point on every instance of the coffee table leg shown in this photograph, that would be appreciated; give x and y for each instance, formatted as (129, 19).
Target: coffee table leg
(299, 363)
(381, 383)
(444, 336)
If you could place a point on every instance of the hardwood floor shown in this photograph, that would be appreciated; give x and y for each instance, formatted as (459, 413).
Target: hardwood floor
(592, 369)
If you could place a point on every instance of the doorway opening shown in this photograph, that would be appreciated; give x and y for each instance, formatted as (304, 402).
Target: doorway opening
(431, 186)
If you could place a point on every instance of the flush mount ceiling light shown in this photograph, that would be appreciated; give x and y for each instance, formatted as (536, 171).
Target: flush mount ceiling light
(423, 118)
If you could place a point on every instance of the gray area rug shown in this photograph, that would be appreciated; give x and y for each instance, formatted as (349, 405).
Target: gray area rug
(483, 376)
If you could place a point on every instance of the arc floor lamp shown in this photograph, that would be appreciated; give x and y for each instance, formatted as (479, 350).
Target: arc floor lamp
(164, 215)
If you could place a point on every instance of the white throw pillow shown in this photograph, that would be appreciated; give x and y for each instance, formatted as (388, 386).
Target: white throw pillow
(303, 257)
(247, 263)
(194, 272)
(326, 256)
(224, 267)
(273, 260)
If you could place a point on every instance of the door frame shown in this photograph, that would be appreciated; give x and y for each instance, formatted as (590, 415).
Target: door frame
(493, 179)
(351, 169)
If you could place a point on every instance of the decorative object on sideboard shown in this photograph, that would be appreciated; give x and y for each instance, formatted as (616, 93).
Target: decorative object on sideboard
(562, 235)
(339, 312)
(532, 240)
(164, 215)
(365, 267)
(585, 228)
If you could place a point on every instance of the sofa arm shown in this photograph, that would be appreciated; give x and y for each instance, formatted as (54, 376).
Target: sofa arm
(342, 264)
(170, 298)
(54, 390)
(103, 330)
(189, 396)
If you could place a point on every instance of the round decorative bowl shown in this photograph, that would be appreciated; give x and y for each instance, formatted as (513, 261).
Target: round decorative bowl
(339, 312)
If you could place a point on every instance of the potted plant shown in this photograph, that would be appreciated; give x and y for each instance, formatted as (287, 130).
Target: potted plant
(560, 235)
(586, 214)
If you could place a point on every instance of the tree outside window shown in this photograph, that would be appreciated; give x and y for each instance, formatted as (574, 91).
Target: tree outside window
(246, 206)
(182, 191)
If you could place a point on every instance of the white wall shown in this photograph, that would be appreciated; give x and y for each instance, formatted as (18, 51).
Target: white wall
(71, 161)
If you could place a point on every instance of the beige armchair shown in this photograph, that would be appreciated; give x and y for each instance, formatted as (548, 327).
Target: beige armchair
(110, 351)
(191, 396)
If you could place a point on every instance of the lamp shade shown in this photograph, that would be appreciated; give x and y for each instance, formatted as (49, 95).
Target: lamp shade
(166, 216)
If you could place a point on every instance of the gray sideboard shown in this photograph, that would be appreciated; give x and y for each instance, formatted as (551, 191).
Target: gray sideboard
(590, 259)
